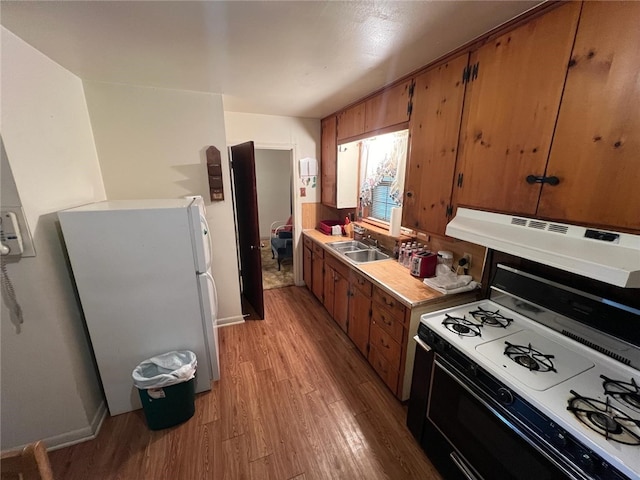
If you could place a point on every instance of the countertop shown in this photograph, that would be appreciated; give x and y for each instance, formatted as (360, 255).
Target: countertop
(388, 275)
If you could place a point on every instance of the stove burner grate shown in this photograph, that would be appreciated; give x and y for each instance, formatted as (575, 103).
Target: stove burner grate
(627, 393)
(529, 357)
(461, 326)
(604, 419)
(491, 319)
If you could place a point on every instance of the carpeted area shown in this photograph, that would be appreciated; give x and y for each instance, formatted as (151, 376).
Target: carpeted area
(271, 277)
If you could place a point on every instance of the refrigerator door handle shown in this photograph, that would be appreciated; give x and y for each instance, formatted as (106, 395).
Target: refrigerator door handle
(207, 235)
(215, 297)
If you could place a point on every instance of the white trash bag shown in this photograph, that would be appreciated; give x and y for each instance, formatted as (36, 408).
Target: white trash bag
(165, 370)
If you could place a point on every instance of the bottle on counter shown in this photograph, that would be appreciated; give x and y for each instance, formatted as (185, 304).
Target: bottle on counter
(402, 252)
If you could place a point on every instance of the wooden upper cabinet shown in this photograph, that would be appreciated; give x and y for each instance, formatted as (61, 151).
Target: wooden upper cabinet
(511, 106)
(438, 97)
(596, 148)
(351, 122)
(328, 161)
(388, 108)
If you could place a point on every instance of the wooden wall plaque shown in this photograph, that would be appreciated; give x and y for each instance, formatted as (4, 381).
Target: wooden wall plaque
(214, 170)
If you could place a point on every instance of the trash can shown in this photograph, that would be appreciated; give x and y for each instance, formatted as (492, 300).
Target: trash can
(166, 384)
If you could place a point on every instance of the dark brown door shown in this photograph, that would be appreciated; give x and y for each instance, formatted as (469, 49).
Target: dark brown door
(246, 200)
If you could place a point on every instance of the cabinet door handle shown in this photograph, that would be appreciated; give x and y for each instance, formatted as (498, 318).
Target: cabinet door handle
(553, 181)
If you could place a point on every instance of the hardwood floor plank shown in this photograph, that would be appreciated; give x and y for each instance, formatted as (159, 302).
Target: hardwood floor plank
(259, 443)
(295, 400)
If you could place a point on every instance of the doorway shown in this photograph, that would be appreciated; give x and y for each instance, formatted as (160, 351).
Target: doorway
(275, 213)
(262, 197)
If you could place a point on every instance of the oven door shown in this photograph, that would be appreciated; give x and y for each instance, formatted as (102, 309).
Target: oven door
(485, 444)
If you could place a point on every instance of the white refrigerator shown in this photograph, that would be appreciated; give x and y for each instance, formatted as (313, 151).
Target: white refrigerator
(143, 273)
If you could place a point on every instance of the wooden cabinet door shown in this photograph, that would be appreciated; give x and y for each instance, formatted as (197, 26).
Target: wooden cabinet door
(328, 161)
(596, 147)
(433, 144)
(341, 301)
(351, 122)
(388, 108)
(306, 267)
(359, 319)
(317, 281)
(329, 288)
(510, 111)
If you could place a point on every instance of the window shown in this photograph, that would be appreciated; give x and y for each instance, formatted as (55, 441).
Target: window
(382, 168)
(381, 201)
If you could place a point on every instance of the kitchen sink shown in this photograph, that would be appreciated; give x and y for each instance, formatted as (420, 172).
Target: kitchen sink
(370, 255)
(358, 252)
(348, 246)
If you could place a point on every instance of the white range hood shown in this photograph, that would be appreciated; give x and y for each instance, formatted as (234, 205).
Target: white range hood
(606, 256)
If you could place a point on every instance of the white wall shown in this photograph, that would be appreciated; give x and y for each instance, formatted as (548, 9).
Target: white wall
(151, 143)
(301, 135)
(50, 388)
(273, 185)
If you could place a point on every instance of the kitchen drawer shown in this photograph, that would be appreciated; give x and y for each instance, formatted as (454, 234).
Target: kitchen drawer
(385, 320)
(318, 250)
(387, 346)
(360, 282)
(308, 242)
(391, 303)
(388, 374)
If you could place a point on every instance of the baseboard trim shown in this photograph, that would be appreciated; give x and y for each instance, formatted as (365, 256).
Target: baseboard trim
(223, 322)
(81, 435)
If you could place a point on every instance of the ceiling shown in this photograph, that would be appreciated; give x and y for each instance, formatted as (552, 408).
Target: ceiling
(293, 58)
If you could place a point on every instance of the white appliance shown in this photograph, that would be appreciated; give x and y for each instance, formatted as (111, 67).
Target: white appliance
(143, 273)
(546, 360)
(603, 255)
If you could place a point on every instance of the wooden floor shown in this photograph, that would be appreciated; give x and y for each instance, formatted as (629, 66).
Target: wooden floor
(296, 401)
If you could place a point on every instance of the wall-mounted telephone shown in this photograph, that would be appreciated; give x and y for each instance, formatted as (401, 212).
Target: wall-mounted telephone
(10, 236)
(10, 244)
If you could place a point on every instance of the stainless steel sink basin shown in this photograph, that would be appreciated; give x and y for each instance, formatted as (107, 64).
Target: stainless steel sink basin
(369, 255)
(348, 246)
(358, 252)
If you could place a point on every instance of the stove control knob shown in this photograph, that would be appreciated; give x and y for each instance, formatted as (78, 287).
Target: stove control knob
(505, 396)
(587, 462)
(559, 439)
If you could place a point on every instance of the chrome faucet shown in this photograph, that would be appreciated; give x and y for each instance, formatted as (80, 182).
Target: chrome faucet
(373, 242)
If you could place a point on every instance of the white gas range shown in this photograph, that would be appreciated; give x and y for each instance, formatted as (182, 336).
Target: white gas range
(564, 388)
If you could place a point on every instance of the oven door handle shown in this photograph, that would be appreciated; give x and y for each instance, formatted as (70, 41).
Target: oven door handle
(462, 467)
(419, 341)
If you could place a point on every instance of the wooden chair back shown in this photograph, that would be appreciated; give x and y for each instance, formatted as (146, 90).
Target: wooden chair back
(30, 463)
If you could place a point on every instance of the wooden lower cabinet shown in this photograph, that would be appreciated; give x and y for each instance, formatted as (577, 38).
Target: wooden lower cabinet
(387, 334)
(359, 319)
(307, 263)
(317, 270)
(341, 302)
(382, 367)
(386, 345)
(336, 291)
